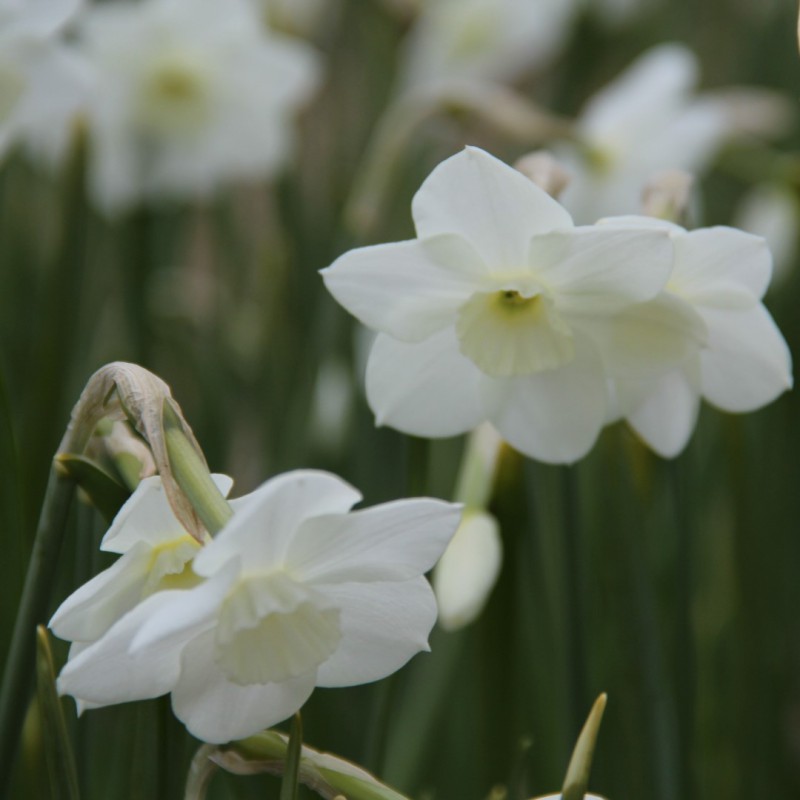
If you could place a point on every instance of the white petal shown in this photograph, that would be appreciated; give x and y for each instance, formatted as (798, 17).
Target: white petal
(188, 613)
(687, 141)
(721, 267)
(488, 203)
(553, 416)
(92, 608)
(639, 221)
(747, 363)
(146, 516)
(407, 289)
(641, 100)
(106, 672)
(665, 417)
(389, 542)
(265, 520)
(216, 710)
(601, 269)
(647, 338)
(425, 389)
(468, 570)
(383, 626)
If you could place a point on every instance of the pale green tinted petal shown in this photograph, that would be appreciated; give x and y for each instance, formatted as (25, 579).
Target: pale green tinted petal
(553, 416)
(425, 389)
(389, 542)
(468, 570)
(407, 289)
(666, 416)
(383, 626)
(91, 609)
(720, 267)
(216, 710)
(189, 612)
(602, 269)
(265, 520)
(648, 338)
(489, 204)
(106, 672)
(147, 517)
(747, 363)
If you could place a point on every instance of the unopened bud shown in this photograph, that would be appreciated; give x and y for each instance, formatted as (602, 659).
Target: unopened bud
(666, 195)
(545, 170)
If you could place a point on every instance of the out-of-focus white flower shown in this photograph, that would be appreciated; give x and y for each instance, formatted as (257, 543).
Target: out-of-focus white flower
(647, 120)
(297, 17)
(774, 213)
(503, 311)
(43, 83)
(468, 570)
(297, 592)
(156, 553)
(192, 93)
(483, 39)
(721, 274)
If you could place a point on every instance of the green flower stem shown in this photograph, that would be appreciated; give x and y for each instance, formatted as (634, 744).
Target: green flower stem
(479, 463)
(58, 752)
(193, 477)
(327, 775)
(292, 770)
(18, 676)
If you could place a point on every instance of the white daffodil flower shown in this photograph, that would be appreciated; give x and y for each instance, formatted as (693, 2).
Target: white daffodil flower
(43, 83)
(647, 120)
(468, 570)
(482, 40)
(298, 591)
(721, 274)
(156, 554)
(192, 93)
(503, 311)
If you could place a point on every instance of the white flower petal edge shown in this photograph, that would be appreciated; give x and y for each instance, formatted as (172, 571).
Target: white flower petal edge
(748, 363)
(405, 289)
(425, 389)
(554, 416)
(297, 593)
(494, 207)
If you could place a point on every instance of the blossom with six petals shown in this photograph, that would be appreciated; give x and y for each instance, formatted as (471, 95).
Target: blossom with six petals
(503, 310)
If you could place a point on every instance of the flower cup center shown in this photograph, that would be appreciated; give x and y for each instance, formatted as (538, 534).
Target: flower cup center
(512, 332)
(171, 566)
(273, 628)
(175, 95)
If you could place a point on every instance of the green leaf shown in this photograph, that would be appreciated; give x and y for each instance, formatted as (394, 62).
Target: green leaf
(576, 782)
(58, 751)
(103, 491)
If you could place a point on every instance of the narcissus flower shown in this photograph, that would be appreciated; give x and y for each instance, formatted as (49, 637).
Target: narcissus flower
(502, 310)
(297, 591)
(721, 274)
(648, 119)
(483, 40)
(192, 94)
(43, 83)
